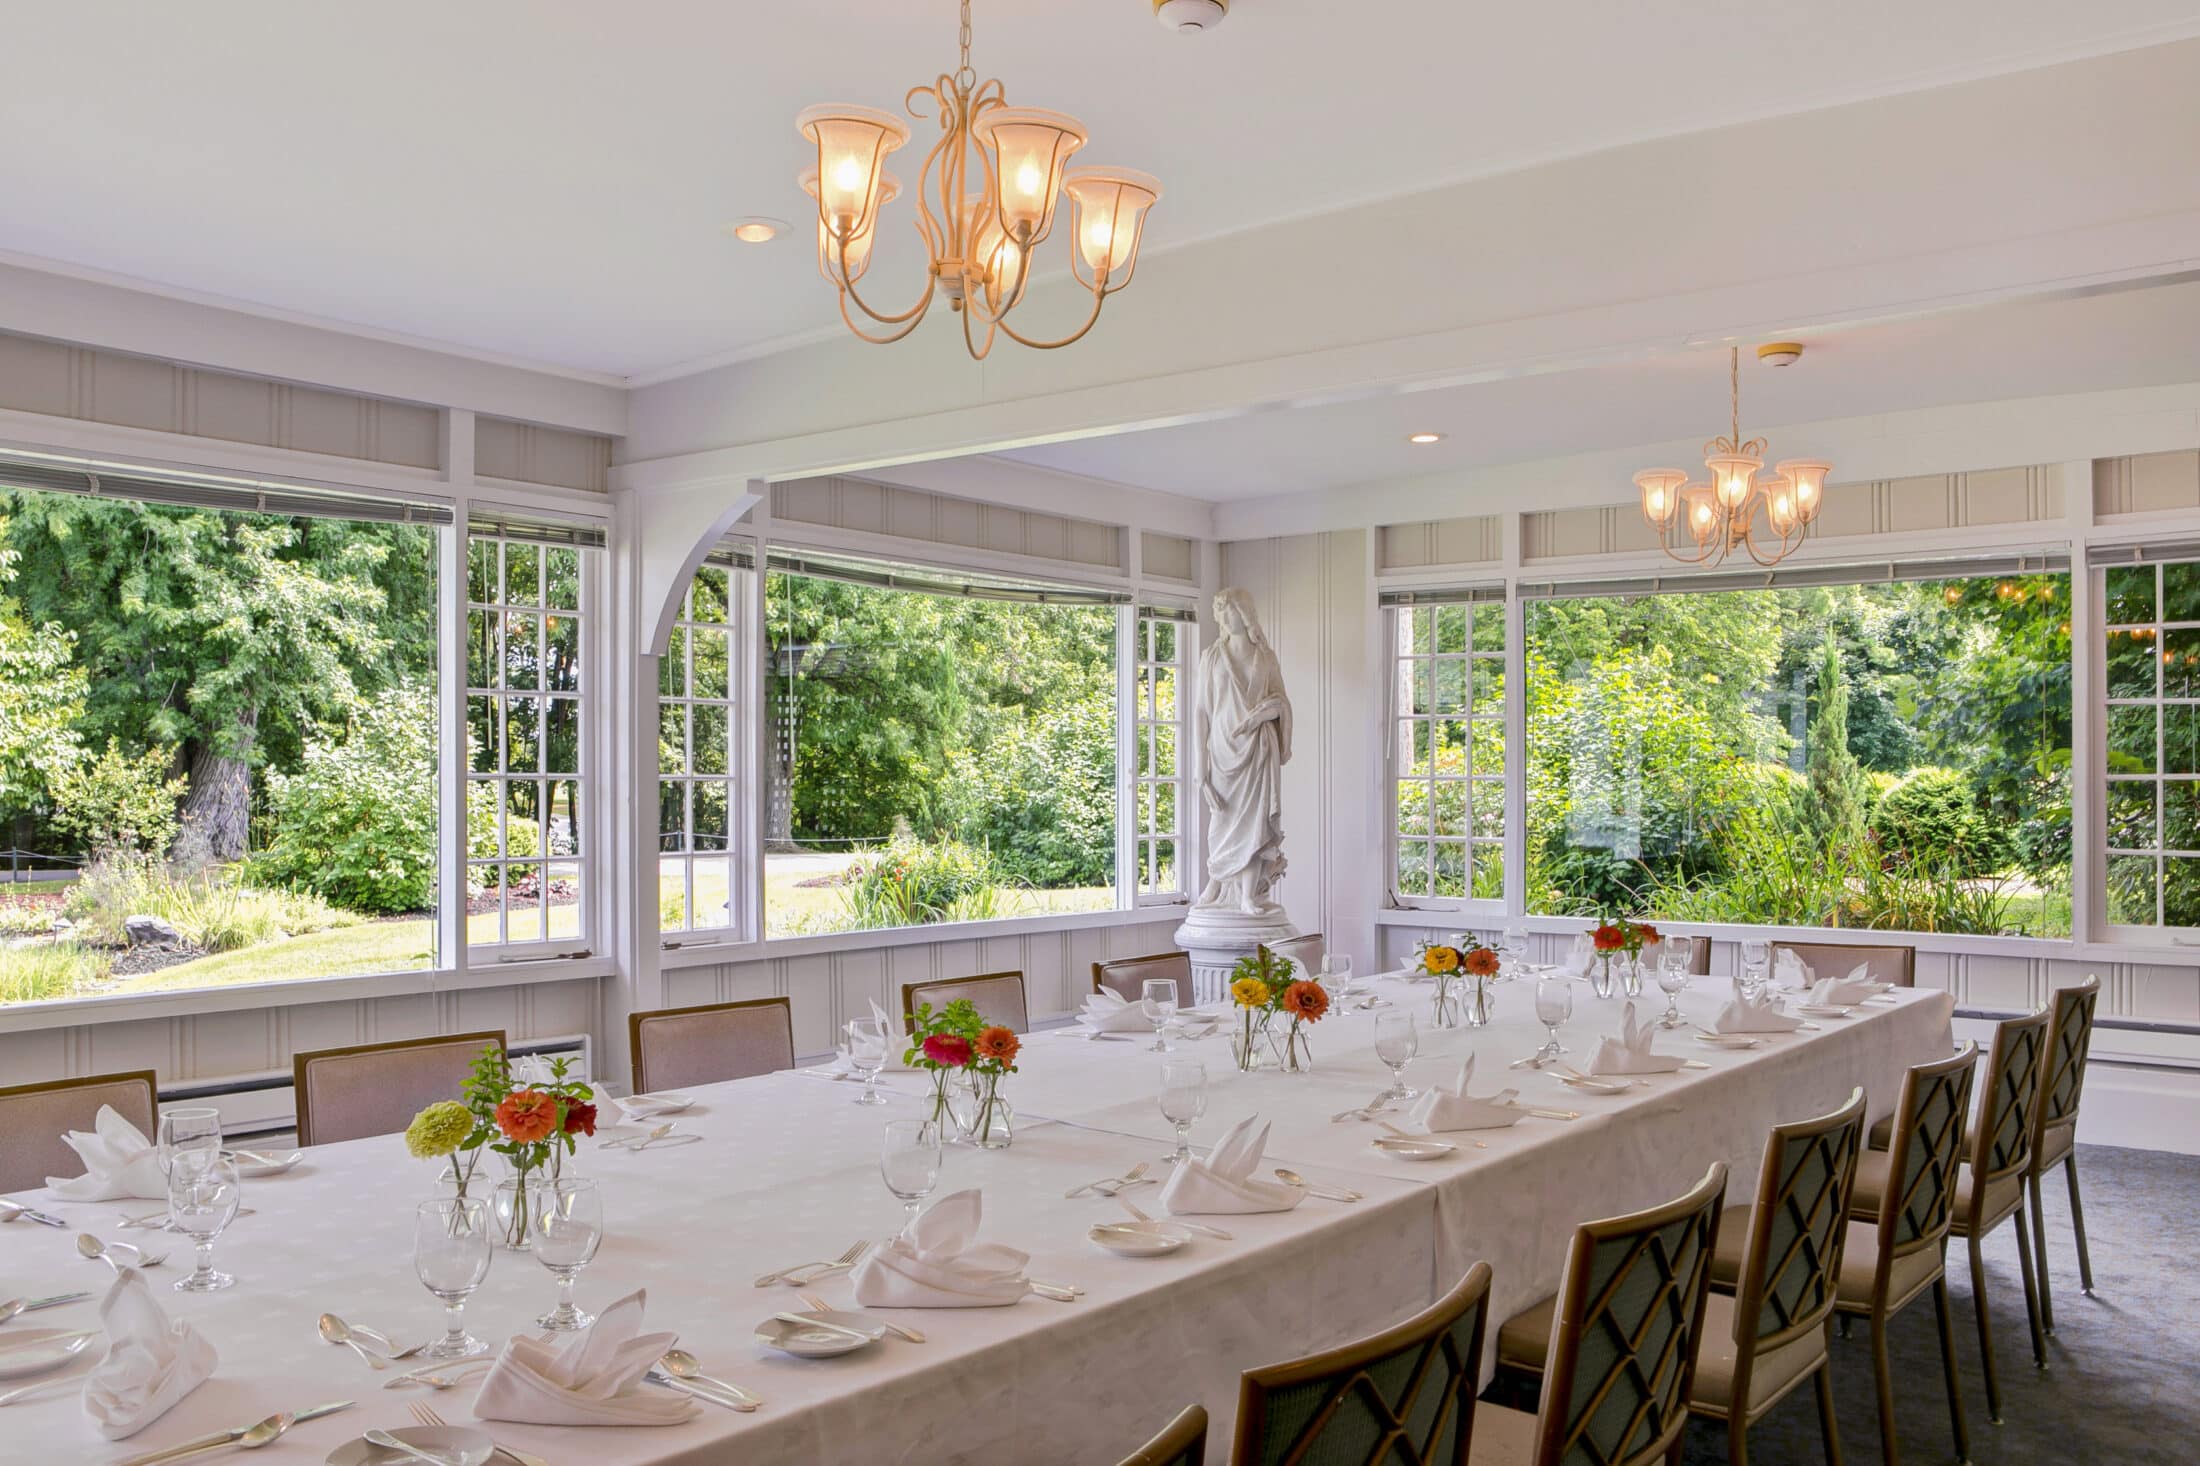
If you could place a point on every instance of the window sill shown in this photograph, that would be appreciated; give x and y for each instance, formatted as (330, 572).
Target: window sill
(707, 953)
(189, 1002)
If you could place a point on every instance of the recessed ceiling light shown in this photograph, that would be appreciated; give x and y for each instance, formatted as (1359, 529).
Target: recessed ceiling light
(1426, 438)
(756, 229)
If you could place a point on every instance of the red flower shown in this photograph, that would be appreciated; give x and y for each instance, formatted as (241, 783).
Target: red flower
(1647, 933)
(1481, 962)
(947, 1051)
(580, 1119)
(528, 1115)
(1607, 938)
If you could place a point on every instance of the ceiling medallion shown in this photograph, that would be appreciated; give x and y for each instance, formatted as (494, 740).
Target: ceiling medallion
(1704, 521)
(991, 217)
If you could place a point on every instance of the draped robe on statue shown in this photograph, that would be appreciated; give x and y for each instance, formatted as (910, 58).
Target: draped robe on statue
(1248, 722)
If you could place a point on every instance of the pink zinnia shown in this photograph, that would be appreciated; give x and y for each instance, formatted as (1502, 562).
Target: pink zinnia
(947, 1051)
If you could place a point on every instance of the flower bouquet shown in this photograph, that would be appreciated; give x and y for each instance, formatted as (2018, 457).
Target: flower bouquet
(1263, 989)
(966, 1057)
(1614, 936)
(1462, 983)
(532, 1122)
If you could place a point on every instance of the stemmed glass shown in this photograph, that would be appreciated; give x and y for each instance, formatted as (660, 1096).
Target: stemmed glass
(1554, 1004)
(568, 1228)
(909, 1163)
(1512, 945)
(187, 1128)
(451, 1255)
(1672, 980)
(867, 1055)
(202, 1202)
(1337, 972)
(1157, 1000)
(1397, 1040)
(1756, 963)
(1183, 1100)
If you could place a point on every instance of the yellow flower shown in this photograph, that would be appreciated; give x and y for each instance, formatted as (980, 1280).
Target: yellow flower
(1250, 992)
(1440, 960)
(439, 1129)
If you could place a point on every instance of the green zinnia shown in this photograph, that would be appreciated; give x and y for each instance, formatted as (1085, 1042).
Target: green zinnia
(439, 1129)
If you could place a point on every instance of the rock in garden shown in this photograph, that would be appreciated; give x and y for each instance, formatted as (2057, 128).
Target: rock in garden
(145, 930)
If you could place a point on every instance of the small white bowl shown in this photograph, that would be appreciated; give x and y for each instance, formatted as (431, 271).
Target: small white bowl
(1821, 1010)
(1138, 1239)
(820, 1343)
(1729, 1040)
(1414, 1147)
(275, 1164)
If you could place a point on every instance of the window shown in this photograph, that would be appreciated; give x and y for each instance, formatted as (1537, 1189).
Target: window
(526, 866)
(1447, 747)
(2152, 754)
(942, 746)
(698, 765)
(1159, 739)
(1826, 751)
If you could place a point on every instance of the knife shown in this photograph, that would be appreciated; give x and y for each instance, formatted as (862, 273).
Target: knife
(54, 1301)
(44, 1219)
(225, 1437)
(62, 1341)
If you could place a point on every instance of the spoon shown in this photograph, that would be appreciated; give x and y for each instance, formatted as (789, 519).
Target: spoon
(1314, 1188)
(682, 1365)
(390, 1442)
(638, 1141)
(336, 1331)
(10, 1210)
(821, 1306)
(442, 1377)
(91, 1247)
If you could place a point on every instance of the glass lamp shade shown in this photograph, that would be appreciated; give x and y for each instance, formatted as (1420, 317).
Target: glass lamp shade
(852, 144)
(1780, 510)
(1029, 147)
(1111, 205)
(1660, 494)
(1732, 477)
(858, 251)
(1703, 511)
(999, 265)
(1808, 476)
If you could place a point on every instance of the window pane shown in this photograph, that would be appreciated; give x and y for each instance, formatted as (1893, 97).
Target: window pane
(523, 735)
(562, 752)
(2132, 890)
(481, 649)
(522, 654)
(2181, 815)
(1489, 809)
(2130, 594)
(561, 670)
(1451, 628)
(522, 574)
(2180, 740)
(2181, 663)
(2131, 663)
(1489, 627)
(1412, 807)
(481, 570)
(1489, 872)
(2131, 814)
(713, 813)
(2180, 891)
(1413, 878)
(2180, 602)
(2131, 740)
(1451, 686)
(672, 816)
(710, 736)
(710, 662)
(483, 750)
(1451, 868)
(562, 579)
(1450, 806)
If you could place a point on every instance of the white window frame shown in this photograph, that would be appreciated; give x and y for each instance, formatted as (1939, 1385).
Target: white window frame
(1477, 600)
(2157, 632)
(679, 660)
(1138, 732)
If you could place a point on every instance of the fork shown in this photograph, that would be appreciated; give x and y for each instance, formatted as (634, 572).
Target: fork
(818, 1305)
(426, 1416)
(845, 1260)
(1135, 1176)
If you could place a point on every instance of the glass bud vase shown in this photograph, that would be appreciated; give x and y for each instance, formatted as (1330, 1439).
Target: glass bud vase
(1479, 1003)
(1249, 1046)
(518, 1205)
(1449, 1012)
(1601, 978)
(1294, 1055)
(1630, 976)
(982, 1116)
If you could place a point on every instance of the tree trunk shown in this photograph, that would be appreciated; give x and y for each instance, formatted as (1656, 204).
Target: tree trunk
(217, 809)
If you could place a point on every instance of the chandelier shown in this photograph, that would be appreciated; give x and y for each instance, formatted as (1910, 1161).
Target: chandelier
(1704, 521)
(996, 176)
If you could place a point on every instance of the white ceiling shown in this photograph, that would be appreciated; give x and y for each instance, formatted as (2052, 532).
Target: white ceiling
(545, 180)
(2133, 338)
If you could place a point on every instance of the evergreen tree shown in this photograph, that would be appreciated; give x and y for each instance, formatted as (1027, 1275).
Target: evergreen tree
(1839, 794)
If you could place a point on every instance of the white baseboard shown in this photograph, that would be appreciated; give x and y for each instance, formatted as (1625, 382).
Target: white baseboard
(2145, 1108)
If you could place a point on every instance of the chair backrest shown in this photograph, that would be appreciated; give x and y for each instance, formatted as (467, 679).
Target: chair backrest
(1182, 1442)
(672, 1047)
(1699, 954)
(1796, 1231)
(2001, 1140)
(1923, 1153)
(1625, 1332)
(1305, 953)
(1404, 1397)
(1126, 976)
(33, 1117)
(998, 997)
(2070, 1040)
(1890, 962)
(376, 1089)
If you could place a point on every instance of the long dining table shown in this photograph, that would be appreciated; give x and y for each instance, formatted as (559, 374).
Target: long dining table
(787, 1171)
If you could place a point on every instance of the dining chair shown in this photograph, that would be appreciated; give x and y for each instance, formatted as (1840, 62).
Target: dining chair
(1126, 976)
(33, 1118)
(1699, 955)
(1405, 1395)
(1890, 962)
(674, 1047)
(1618, 1357)
(998, 997)
(376, 1089)
(1182, 1442)
(2055, 1136)
(1305, 953)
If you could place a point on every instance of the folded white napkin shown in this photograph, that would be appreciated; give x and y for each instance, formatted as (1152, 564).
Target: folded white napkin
(151, 1363)
(1110, 1012)
(118, 1162)
(1840, 992)
(939, 1263)
(1791, 971)
(590, 1378)
(1223, 1181)
(1629, 1053)
(1580, 957)
(1439, 1108)
(1760, 1015)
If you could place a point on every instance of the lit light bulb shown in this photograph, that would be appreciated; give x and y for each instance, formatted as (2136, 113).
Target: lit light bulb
(848, 174)
(1099, 237)
(1030, 179)
(1657, 504)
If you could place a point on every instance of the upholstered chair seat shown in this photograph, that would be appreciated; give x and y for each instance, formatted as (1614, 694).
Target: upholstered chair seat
(671, 1048)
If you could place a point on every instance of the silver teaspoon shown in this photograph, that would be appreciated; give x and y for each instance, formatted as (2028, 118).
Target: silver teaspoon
(117, 1255)
(682, 1365)
(390, 1442)
(336, 1331)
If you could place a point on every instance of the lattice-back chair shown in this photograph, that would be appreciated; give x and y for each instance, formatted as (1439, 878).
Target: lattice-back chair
(1182, 1442)
(1306, 953)
(1126, 976)
(33, 1118)
(1890, 962)
(2055, 1137)
(711, 1042)
(1991, 1189)
(998, 997)
(1902, 1252)
(1621, 1356)
(1404, 1397)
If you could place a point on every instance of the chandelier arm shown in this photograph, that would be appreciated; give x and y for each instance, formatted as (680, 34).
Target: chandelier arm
(977, 352)
(849, 292)
(1099, 297)
(891, 336)
(994, 315)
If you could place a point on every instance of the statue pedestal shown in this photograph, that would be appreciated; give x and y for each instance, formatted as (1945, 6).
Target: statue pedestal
(1218, 937)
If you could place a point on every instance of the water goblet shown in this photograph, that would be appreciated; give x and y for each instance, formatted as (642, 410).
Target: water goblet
(867, 1055)
(1183, 1100)
(1672, 981)
(909, 1163)
(187, 1128)
(1397, 1040)
(1337, 971)
(202, 1201)
(1756, 964)
(451, 1252)
(1554, 1004)
(1512, 945)
(567, 1229)
(1157, 1000)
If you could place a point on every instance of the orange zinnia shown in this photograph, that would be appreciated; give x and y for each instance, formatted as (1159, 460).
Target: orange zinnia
(1481, 962)
(528, 1115)
(999, 1044)
(1306, 1000)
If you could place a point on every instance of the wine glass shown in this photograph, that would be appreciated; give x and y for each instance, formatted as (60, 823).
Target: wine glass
(1756, 962)
(867, 1055)
(451, 1255)
(1512, 945)
(1157, 1000)
(1672, 980)
(1397, 1040)
(1554, 1004)
(187, 1128)
(202, 1201)
(1183, 1100)
(1337, 969)
(909, 1163)
(567, 1228)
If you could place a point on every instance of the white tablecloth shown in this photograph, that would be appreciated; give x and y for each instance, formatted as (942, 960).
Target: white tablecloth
(789, 1172)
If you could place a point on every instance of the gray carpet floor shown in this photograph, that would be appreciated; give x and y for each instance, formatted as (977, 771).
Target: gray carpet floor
(2122, 1384)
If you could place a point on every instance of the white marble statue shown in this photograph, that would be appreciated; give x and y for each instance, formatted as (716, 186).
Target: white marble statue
(1248, 722)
